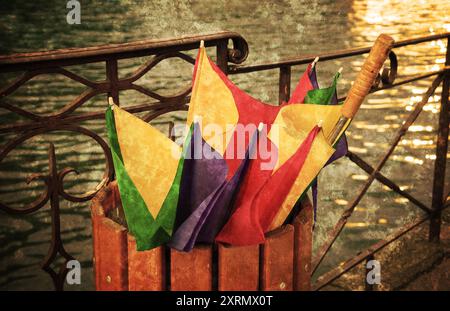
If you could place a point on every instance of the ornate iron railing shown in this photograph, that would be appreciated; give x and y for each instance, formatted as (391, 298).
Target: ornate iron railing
(67, 119)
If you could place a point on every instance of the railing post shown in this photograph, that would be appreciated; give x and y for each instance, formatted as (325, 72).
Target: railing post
(222, 56)
(284, 84)
(112, 76)
(303, 245)
(441, 156)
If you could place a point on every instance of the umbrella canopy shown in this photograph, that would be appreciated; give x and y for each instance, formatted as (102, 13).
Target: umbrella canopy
(294, 122)
(234, 115)
(201, 191)
(263, 190)
(148, 168)
(209, 183)
(261, 196)
(229, 115)
(206, 195)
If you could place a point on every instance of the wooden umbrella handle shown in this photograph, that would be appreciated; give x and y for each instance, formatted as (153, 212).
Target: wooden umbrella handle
(367, 75)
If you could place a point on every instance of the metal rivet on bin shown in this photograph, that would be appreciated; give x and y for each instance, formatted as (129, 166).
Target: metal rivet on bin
(282, 285)
(108, 278)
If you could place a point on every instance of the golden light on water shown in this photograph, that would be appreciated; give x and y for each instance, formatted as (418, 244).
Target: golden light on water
(341, 202)
(416, 142)
(433, 156)
(430, 156)
(401, 200)
(357, 150)
(403, 188)
(440, 44)
(359, 177)
(367, 126)
(391, 117)
(407, 159)
(420, 128)
(353, 225)
(382, 221)
(432, 106)
(356, 136)
(369, 144)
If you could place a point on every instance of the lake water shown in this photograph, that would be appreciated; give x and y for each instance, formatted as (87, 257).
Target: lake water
(274, 30)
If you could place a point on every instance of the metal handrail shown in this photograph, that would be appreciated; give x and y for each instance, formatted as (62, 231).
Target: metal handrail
(65, 57)
(329, 56)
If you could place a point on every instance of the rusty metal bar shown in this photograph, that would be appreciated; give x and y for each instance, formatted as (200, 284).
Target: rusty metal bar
(332, 236)
(77, 56)
(95, 115)
(284, 84)
(441, 157)
(410, 79)
(56, 245)
(112, 76)
(142, 70)
(330, 56)
(222, 56)
(386, 181)
(28, 75)
(330, 276)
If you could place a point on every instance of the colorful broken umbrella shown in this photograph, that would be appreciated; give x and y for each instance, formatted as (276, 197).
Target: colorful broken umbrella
(206, 195)
(211, 86)
(263, 191)
(150, 210)
(200, 216)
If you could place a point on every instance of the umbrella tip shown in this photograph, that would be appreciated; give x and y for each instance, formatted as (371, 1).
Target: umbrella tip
(111, 102)
(319, 124)
(202, 44)
(315, 61)
(260, 126)
(340, 70)
(197, 119)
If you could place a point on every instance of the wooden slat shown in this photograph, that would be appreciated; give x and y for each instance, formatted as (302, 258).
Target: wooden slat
(191, 271)
(95, 256)
(111, 264)
(102, 203)
(303, 224)
(145, 268)
(238, 268)
(277, 260)
(97, 214)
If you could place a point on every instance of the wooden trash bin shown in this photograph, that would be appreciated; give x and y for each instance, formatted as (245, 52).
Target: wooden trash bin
(281, 263)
